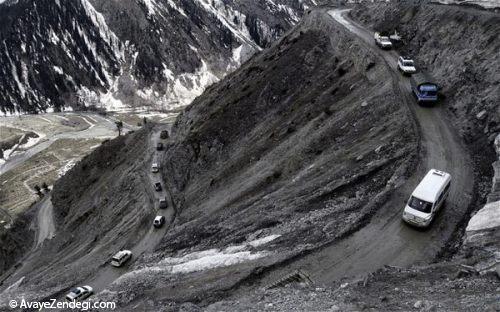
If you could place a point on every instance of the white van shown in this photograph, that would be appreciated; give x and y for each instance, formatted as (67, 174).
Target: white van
(427, 198)
(121, 257)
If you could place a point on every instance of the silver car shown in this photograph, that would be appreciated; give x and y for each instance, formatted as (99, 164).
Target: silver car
(79, 293)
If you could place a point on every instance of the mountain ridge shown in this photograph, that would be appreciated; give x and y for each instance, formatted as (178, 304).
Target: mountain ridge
(132, 54)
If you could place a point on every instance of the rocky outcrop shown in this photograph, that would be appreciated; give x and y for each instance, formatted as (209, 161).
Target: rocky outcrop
(483, 230)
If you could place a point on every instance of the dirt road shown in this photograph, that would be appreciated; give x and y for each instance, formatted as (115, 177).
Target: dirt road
(386, 240)
(107, 274)
(104, 274)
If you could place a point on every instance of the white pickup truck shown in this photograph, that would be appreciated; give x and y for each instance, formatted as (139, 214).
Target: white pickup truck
(382, 41)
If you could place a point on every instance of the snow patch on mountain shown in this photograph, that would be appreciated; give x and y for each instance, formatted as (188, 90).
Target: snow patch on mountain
(109, 36)
(204, 260)
(227, 16)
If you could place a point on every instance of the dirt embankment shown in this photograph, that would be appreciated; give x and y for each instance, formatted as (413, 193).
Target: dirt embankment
(303, 142)
(277, 142)
(444, 287)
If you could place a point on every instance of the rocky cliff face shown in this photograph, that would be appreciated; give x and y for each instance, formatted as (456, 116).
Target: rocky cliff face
(133, 53)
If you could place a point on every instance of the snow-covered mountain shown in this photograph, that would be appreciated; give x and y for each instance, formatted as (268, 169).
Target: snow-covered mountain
(57, 54)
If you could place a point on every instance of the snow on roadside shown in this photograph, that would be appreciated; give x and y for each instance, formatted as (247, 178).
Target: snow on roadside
(205, 260)
(263, 241)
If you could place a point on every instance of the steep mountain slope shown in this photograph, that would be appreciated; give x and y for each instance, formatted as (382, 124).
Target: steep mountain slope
(58, 54)
(271, 163)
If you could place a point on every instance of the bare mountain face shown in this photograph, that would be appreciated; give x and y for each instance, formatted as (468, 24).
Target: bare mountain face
(163, 53)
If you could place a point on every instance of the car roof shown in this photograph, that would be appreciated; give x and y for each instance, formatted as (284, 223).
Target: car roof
(431, 185)
(122, 252)
(158, 218)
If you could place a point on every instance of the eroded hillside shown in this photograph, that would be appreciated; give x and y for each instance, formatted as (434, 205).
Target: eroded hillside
(282, 158)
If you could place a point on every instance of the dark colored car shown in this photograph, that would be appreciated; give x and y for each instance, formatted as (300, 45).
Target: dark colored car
(163, 203)
(159, 147)
(164, 134)
(424, 89)
(158, 186)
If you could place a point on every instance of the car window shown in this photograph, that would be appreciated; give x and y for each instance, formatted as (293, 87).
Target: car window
(420, 205)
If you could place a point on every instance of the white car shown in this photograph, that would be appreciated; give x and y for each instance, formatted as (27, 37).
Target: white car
(382, 41)
(155, 168)
(427, 198)
(79, 293)
(159, 221)
(406, 65)
(121, 257)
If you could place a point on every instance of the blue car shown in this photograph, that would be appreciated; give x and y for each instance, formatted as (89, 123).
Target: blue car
(424, 89)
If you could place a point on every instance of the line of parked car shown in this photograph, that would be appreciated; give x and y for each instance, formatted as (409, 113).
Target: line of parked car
(123, 256)
(423, 87)
(159, 220)
(430, 194)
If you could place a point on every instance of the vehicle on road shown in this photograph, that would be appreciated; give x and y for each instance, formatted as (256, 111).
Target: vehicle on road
(382, 41)
(427, 198)
(158, 186)
(164, 134)
(159, 221)
(406, 65)
(163, 203)
(120, 258)
(155, 168)
(159, 147)
(424, 89)
(79, 293)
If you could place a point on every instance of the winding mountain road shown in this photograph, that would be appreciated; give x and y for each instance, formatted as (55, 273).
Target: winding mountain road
(108, 274)
(386, 240)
